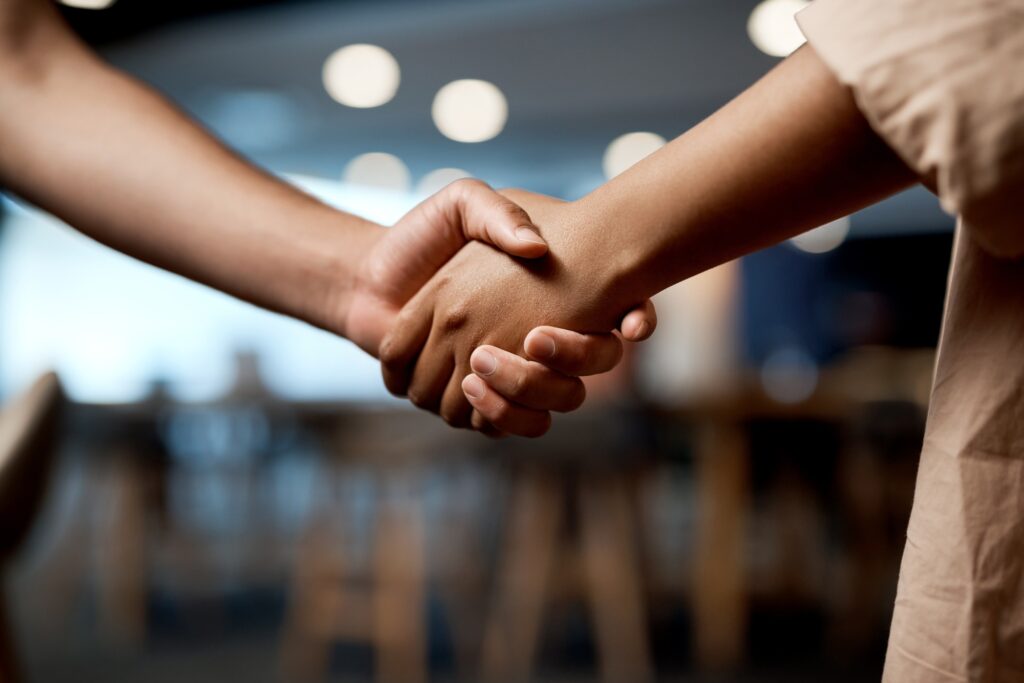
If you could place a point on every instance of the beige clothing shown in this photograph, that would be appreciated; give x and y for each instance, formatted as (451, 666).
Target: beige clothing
(943, 82)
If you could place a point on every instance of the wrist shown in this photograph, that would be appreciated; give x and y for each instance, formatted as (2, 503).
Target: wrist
(333, 272)
(608, 254)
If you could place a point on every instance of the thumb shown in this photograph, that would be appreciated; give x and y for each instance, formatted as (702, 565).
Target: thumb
(487, 216)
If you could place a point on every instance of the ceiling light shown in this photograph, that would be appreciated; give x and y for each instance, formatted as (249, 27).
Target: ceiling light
(825, 238)
(773, 28)
(88, 4)
(470, 110)
(361, 76)
(377, 169)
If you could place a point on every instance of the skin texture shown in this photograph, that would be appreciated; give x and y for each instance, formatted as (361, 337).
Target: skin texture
(477, 299)
(132, 172)
(790, 153)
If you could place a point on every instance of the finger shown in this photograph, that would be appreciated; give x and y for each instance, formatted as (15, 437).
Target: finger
(401, 346)
(525, 382)
(431, 375)
(572, 353)
(639, 323)
(489, 217)
(503, 414)
(455, 409)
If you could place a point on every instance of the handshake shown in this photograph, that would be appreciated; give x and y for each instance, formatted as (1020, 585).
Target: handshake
(489, 340)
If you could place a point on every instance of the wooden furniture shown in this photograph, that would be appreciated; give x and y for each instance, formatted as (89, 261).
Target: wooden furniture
(889, 381)
(371, 593)
(28, 434)
(576, 473)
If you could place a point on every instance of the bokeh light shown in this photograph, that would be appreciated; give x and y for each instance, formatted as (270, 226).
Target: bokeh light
(377, 169)
(773, 28)
(825, 238)
(361, 76)
(626, 150)
(470, 110)
(88, 4)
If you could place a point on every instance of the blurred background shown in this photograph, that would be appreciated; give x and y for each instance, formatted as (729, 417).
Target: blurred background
(231, 493)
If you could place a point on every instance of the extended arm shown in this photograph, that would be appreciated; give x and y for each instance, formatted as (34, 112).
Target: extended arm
(790, 153)
(121, 164)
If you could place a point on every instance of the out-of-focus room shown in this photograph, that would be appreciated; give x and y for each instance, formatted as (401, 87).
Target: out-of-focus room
(219, 492)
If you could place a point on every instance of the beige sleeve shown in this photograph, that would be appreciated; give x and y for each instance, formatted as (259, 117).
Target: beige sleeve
(942, 81)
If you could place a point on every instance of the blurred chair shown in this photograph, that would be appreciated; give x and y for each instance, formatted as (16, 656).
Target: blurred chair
(581, 471)
(28, 432)
(871, 401)
(338, 593)
(101, 544)
(876, 482)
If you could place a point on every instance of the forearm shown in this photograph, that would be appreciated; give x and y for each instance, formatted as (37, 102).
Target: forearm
(789, 154)
(119, 163)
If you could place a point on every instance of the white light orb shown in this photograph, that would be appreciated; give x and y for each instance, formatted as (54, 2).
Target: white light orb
(789, 375)
(773, 28)
(437, 180)
(626, 150)
(361, 76)
(470, 110)
(88, 4)
(377, 169)
(825, 238)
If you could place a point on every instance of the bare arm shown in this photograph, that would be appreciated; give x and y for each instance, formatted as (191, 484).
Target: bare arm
(790, 153)
(115, 160)
(119, 163)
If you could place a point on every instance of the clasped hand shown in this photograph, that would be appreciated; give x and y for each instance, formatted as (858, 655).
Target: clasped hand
(488, 341)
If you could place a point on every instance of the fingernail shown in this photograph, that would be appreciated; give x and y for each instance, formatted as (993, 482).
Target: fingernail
(483, 362)
(641, 330)
(542, 346)
(473, 386)
(528, 235)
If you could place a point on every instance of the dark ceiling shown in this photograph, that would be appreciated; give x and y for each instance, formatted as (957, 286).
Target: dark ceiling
(130, 18)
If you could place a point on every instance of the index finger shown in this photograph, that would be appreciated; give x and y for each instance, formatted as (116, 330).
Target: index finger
(572, 353)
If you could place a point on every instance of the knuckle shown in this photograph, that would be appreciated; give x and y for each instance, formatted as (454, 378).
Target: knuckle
(464, 186)
(518, 385)
(390, 355)
(500, 412)
(512, 210)
(455, 317)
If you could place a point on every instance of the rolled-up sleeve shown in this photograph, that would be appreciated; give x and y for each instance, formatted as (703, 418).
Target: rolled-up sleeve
(942, 81)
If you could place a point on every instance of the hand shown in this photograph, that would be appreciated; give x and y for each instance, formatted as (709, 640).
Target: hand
(514, 395)
(482, 297)
(404, 257)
